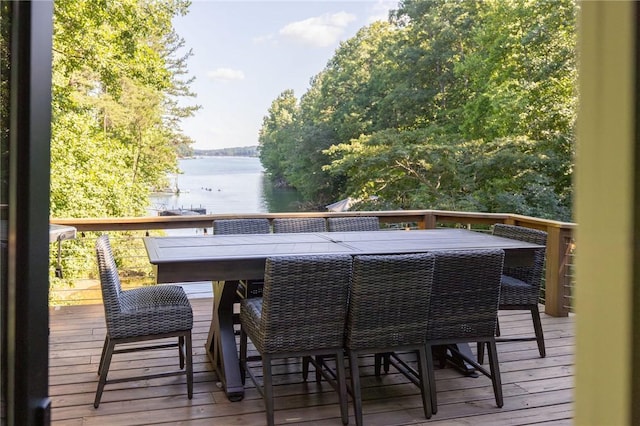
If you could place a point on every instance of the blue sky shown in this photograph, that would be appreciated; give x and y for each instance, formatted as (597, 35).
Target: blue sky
(245, 53)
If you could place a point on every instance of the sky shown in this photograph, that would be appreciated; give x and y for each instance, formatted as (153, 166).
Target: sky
(246, 53)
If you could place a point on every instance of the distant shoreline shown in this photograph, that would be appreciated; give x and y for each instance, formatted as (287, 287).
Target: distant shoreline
(242, 151)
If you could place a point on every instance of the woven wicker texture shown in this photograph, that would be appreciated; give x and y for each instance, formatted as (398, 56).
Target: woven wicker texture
(465, 294)
(246, 288)
(344, 224)
(241, 226)
(305, 224)
(142, 314)
(303, 307)
(389, 300)
(521, 285)
(143, 311)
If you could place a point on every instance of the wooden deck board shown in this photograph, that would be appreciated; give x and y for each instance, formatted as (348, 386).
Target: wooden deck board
(536, 390)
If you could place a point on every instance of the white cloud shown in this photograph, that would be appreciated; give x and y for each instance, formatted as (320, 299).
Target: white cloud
(319, 31)
(380, 10)
(226, 74)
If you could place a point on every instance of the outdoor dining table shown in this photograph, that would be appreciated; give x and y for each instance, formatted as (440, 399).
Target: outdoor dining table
(229, 258)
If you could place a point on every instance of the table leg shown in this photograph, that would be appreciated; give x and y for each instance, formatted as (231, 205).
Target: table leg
(221, 343)
(458, 361)
(211, 346)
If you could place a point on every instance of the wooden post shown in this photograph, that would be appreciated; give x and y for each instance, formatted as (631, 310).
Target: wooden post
(555, 271)
(429, 221)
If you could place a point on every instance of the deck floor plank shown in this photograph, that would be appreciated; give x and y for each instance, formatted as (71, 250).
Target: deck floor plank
(536, 390)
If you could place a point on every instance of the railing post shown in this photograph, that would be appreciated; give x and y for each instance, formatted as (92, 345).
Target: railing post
(429, 221)
(555, 272)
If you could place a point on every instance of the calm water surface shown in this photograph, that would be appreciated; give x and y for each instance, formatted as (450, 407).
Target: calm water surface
(225, 185)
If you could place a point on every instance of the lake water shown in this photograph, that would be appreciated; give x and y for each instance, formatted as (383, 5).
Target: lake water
(225, 185)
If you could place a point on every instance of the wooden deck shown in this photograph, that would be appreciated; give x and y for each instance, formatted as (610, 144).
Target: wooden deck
(536, 390)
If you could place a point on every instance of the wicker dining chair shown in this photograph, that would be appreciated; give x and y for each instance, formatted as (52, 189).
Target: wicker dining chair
(358, 223)
(520, 287)
(388, 311)
(241, 226)
(303, 224)
(464, 309)
(302, 313)
(246, 288)
(141, 314)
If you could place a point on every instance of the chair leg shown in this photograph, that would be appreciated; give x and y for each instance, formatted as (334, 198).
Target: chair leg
(319, 361)
(268, 389)
(537, 326)
(355, 385)
(440, 353)
(243, 355)
(306, 360)
(495, 372)
(342, 386)
(480, 353)
(424, 382)
(481, 344)
(381, 360)
(181, 351)
(104, 370)
(104, 350)
(189, 358)
(377, 364)
(432, 379)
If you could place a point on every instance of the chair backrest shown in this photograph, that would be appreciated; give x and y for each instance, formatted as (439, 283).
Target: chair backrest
(465, 294)
(532, 275)
(241, 226)
(303, 224)
(344, 224)
(304, 302)
(109, 279)
(389, 300)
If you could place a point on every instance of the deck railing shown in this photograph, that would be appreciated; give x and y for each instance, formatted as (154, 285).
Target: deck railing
(559, 279)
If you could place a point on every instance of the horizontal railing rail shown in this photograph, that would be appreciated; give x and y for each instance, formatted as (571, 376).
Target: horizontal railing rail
(559, 279)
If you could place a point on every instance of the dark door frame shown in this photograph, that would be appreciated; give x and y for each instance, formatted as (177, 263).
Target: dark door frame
(26, 288)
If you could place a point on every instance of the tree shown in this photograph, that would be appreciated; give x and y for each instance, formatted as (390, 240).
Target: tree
(117, 77)
(522, 76)
(436, 41)
(340, 104)
(451, 104)
(404, 168)
(277, 137)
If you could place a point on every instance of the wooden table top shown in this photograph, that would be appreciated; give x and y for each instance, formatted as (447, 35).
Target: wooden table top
(242, 256)
(238, 246)
(390, 242)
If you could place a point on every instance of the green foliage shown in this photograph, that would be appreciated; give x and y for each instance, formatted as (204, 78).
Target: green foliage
(407, 167)
(451, 104)
(116, 81)
(277, 135)
(117, 78)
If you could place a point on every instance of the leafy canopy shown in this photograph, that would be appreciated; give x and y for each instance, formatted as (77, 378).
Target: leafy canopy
(117, 80)
(450, 104)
